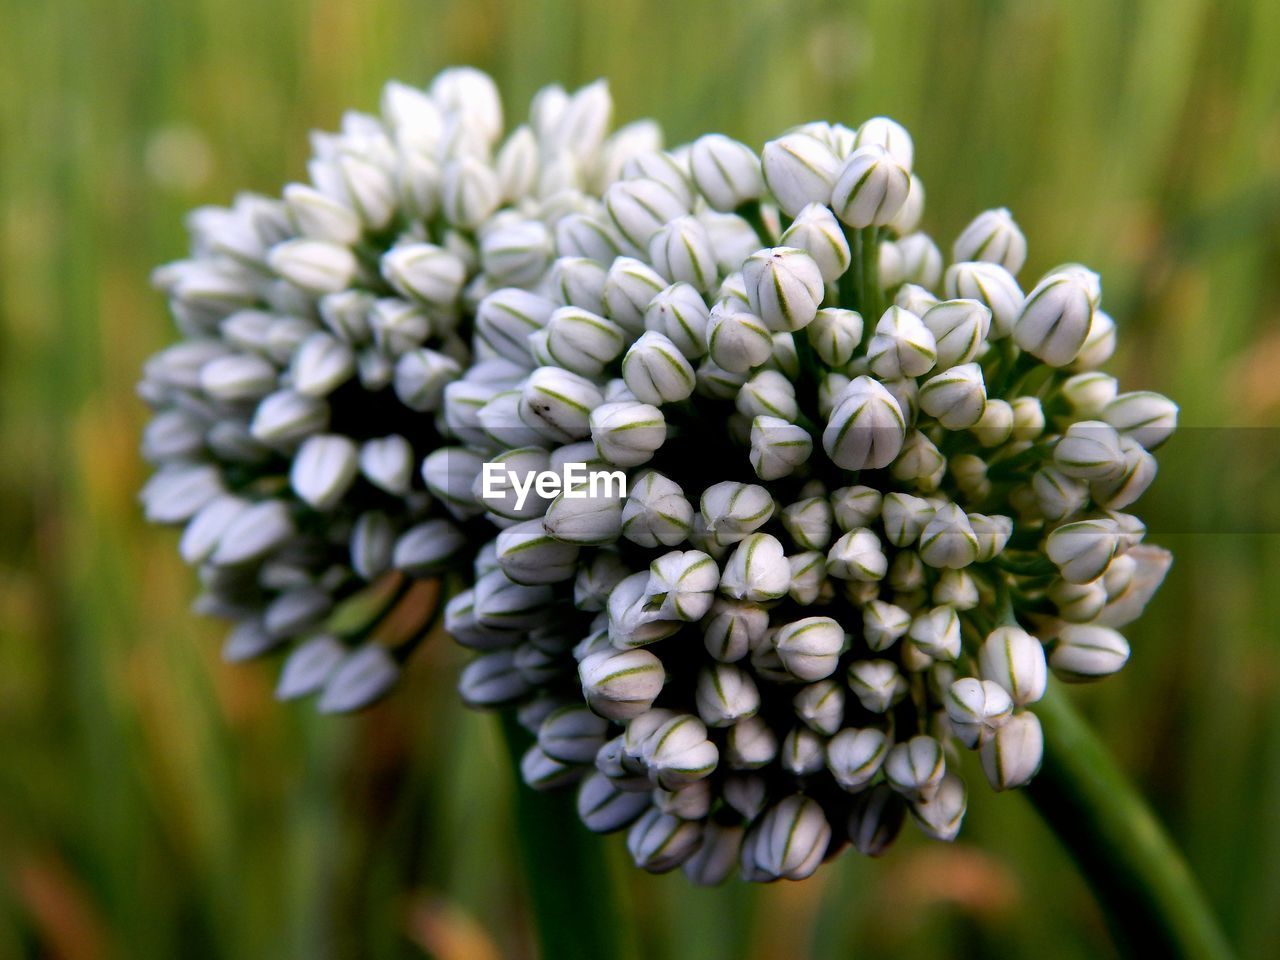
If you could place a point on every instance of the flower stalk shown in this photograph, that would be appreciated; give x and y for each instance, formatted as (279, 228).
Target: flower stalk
(1152, 901)
(566, 878)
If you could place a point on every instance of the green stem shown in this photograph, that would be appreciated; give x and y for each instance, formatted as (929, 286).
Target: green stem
(1153, 903)
(566, 879)
(871, 295)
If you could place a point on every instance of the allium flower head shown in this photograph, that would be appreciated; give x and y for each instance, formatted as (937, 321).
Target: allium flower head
(325, 334)
(873, 501)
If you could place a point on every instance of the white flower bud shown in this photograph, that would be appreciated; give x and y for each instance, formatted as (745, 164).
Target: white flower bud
(856, 755)
(604, 808)
(992, 533)
(992, 236)
(731, 510)
(871, 188)
(387, 463)
(738, 341)
(505, 318)
(883, 624)
(948, 539)
(629, 288)
(492, 680)
(323, 470)
(1099, 345)
(517, 253)
(682, 585)
(808, 523)
(725, 171)
(364, 675)
(756, 571)
(915, 768)
(578, 282)
(959, 328)
(977, 709)
(659, 842)
(1014, 659)
(920, 462)
(956, 398)
(682, 252)
(528, 554)
(937, 632)
(778, 448)
(784, 287)
(889, 134)
(1054, 320)
(679, 314)
(1146, 417)
(940, 814)
(793, 837)
(558, 404)
(831, 387)
(622, 684)
(1089, 393)
(732, 628)
(239, 376)
(857, 555)
(751, 744)
(640, 208)
(321, 364)
(816, 231)
(656, 512)
(713, 862)
(991, 285)
(835, 335)
(1028, 418)
(877, 684)
(902, 346)
(656, 371)
(1011, 757)
(1078, 602)
(1090, 450)
(664, 168)
(425, 272)
(808, 576)
(957, 588)
(691, 802)
(1086, 652)
(626, 433)
(678, 752)
(866, 429)
(907, 576)
(421, 376)
(1120, 491)
(315, 266)
(905, 518)
(581, 341)
(876, 820)
(799, 169)
(725, 695)
(585, 515)
(1082, 551)
(469, 193)
(803, 752)
(810, 648)
(820, 706)
(855, 506)
(253, 533)
(321, 217)
(572, 734)
(996, 425)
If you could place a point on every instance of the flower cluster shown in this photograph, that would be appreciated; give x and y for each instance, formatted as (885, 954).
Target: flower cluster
(874, 499)
(321, 331)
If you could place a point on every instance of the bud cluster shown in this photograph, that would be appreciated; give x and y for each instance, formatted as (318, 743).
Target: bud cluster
(321, 332)
(874, 501)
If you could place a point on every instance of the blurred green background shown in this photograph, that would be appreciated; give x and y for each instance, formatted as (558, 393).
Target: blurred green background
(157, 803)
